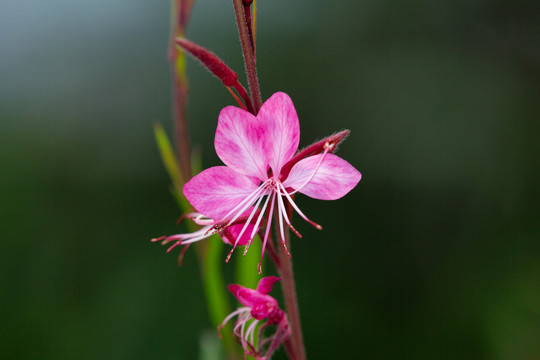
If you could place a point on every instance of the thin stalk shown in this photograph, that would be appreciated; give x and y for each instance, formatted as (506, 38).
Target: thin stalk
(243, 94)
(209, 252)
(289, 295)
(249, 55)
(247, 16)
(181, 10)
(181, 132)
(270, 249)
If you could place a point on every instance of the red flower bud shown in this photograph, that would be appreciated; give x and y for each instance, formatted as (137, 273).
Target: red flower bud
(210, 61)
(329, 143)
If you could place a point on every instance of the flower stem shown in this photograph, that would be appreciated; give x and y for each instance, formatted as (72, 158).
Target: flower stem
(294, 345)
(180, 14)
(291, 302)
(249, 55)
(181, 132)
(209, 254)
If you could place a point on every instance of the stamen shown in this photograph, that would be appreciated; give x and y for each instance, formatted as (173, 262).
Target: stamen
(190, 241)
(244, 204)
(281, 214)
(317, 226)
(200, 219)
(179, 242)
(158, 239)
(259, 333)
(233, 314)
(267, 230)
(248, 221)
(251, 330)
(327, 147)
(284, 210)
(182, 254)
(259, 219)
(167, 239)
(256, 207)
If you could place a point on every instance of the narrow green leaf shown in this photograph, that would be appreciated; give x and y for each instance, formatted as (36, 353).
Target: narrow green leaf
(214, 286)
(167, 155)
(246, 266)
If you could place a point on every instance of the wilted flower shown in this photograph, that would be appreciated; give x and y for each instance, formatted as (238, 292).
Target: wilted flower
(259, 309)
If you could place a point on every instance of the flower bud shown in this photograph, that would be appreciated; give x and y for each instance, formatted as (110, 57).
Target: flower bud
(210, 61)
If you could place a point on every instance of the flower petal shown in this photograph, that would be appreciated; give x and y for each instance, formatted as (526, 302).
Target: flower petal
(266, 283)
(329, 143)
(239, 142)
(282, 130)
(217, 190)
(231, 234)
(333, 179)
(250, 297)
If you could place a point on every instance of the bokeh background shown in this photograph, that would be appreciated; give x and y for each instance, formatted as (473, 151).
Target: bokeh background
(435, 255)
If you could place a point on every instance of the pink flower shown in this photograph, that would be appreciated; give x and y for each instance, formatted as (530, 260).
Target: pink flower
(259, 308)
(261, 172)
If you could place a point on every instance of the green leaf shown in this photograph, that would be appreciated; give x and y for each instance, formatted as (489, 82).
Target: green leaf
(167, 155)
(246, 267)
(214, 288)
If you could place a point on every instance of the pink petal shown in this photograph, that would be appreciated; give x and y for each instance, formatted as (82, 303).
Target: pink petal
(231, 234)
(282, 130)
(239, 143)
(250, 297)
(263, 310)
(217, 190)
(330, 143)
(265, 284)
(333, 179)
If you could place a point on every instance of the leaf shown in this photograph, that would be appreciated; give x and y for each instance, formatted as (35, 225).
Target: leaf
(246, 267)
(167, 155)
(214, 288)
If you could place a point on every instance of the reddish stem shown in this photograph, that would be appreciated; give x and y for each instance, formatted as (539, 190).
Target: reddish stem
(291, 302)
(295, 345)
(249, 56)
(180, 90)
(247, 15)
(244, 95)
(181, 132)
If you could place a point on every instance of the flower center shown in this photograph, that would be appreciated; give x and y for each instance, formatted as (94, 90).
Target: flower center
(274, 190)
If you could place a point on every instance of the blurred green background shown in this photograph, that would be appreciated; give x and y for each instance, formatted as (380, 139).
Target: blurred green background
(435, 255)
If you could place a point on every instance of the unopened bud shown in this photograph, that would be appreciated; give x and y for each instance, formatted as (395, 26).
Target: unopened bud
(329, 144)
(210, 61)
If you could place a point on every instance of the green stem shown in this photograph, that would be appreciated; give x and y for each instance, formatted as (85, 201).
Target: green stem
(210, 253)
(180, 14)
(214, 285)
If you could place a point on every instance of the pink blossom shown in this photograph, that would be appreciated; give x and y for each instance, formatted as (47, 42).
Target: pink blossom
(259, 309)
(262, 173)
